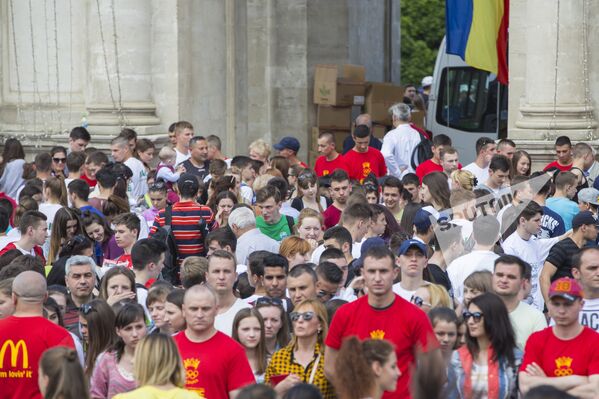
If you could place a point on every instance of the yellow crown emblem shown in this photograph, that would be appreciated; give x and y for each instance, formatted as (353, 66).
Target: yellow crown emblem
(377, 334)
(191, 363)
(563, 361)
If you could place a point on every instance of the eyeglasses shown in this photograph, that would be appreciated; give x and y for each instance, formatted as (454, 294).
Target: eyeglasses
(323, 294)
(307, 316)
(306, 176)
(157, 185)
(416, 300)
(477, 316)
(59, 160)
(86, 308)
(269, 301)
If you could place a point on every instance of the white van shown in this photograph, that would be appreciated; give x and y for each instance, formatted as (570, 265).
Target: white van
(463, 104)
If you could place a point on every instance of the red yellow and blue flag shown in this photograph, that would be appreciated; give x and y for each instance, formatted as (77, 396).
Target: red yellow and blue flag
(477, 32)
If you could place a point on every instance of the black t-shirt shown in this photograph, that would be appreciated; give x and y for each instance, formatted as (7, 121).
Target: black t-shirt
(560, 256)
(201, 172)
(436, 275)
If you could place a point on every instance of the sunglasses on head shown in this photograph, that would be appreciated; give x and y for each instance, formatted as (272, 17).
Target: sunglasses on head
(418, 301)
(477, 316)
(157, 185)
(86, 308)
(269, 301)
(59, 160)
(307, 316)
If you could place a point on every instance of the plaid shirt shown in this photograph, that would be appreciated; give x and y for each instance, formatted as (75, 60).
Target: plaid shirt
(283, 362)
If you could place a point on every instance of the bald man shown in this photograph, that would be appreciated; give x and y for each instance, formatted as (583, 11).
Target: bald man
(25, 336)
(215, 365)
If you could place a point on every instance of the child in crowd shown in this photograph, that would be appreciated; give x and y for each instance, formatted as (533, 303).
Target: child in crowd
(166, 171)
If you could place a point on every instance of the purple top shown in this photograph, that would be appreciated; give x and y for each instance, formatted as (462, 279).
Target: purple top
(110, 250)
(107, 379)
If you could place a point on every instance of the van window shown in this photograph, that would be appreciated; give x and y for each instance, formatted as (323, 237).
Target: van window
(468, 100)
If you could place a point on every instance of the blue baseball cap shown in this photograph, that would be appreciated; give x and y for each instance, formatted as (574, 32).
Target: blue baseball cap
(407, 244)
(288, 142)
(422, 219)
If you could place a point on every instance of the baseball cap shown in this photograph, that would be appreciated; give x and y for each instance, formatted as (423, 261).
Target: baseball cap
(422, 219)
(288, 142)
(188, 180)
(407, 244)
(582, 218)
(565, 287)
(366, 245)
(427, 81)
(590, 195)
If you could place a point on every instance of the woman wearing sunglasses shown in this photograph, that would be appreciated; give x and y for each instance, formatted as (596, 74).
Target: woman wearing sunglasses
(59, 161)
(303, 359)
(487, 366)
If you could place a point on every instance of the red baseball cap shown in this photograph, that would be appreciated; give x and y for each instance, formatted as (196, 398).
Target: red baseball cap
(567, 288)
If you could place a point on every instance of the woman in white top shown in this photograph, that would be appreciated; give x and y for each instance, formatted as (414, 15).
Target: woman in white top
(11, 167)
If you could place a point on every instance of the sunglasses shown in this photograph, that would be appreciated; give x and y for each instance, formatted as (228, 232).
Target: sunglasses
(158, 185)
(323, 293)
(307, 316)
(477, 316)
(269, 301)
(86, 308)
(59, 160)
(416, 300)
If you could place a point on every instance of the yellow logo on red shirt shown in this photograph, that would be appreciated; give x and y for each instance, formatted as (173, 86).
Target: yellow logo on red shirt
(191, 370)
(366, 169)
(325, 172)
(377, 334)
(563, 366)
(15, 349)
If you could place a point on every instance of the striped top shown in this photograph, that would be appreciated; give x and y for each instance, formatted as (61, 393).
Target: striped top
(185, 226)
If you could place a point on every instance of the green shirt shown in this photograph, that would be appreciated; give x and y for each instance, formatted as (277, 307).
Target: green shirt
(276, 231)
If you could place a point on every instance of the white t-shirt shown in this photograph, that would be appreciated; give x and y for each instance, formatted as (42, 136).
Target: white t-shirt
(526, 320)
(181, 157)
(481, 174)
(397, 149)
(405, 294)
(50, 211)
(465, 265)
(534, 251)
(589, 315)
(138, 184)
(224, 321)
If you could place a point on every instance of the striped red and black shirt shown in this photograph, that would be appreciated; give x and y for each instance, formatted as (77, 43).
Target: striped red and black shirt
(185, 226)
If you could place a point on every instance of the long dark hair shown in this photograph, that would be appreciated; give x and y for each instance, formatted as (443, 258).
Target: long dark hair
(90, 218)
(12, 150)
(101, 332)
(438, 188)
(129, 313)
(59, 230)
(65, 375)
(498, 328)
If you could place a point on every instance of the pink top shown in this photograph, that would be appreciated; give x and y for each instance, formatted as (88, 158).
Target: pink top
(108, 379)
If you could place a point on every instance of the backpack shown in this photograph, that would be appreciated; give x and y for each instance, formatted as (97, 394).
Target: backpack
(170, 272)
(422, 152)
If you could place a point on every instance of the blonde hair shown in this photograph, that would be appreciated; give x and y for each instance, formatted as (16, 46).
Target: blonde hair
(307, 213)
(261, 147)
(157, 361)
(261, 181)
(294, 245)
(439, 296)
(321, 313)
(166, 153)
(465, 178)
(194, 266)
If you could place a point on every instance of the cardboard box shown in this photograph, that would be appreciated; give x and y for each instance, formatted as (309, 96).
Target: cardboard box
(342, 89)
(337, 118)
(379, 131)
(379, 97)
(340, 137)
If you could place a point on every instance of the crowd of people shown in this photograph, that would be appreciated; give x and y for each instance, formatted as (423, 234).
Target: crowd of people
(174, 271)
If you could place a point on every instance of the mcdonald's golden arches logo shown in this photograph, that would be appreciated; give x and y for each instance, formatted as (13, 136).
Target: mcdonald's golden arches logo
(14, 353)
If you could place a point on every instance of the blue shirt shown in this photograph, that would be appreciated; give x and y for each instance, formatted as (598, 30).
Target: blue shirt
(552, 224)
(91, 209)
(564, 207)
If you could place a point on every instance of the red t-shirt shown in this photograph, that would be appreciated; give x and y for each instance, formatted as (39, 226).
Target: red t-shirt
(125, 258)
(559, 358)
(402, 323)
(36, 249)
(331, 216)
(23, 340)
(92, 182)
(215, 367)
(555, 164)
(360, 164)
(427, 167)
(322, 167)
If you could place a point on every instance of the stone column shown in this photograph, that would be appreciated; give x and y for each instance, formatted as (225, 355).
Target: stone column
(556, 101)
(124, 95)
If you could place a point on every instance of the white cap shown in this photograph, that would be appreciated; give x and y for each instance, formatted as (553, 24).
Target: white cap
(427, 81)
